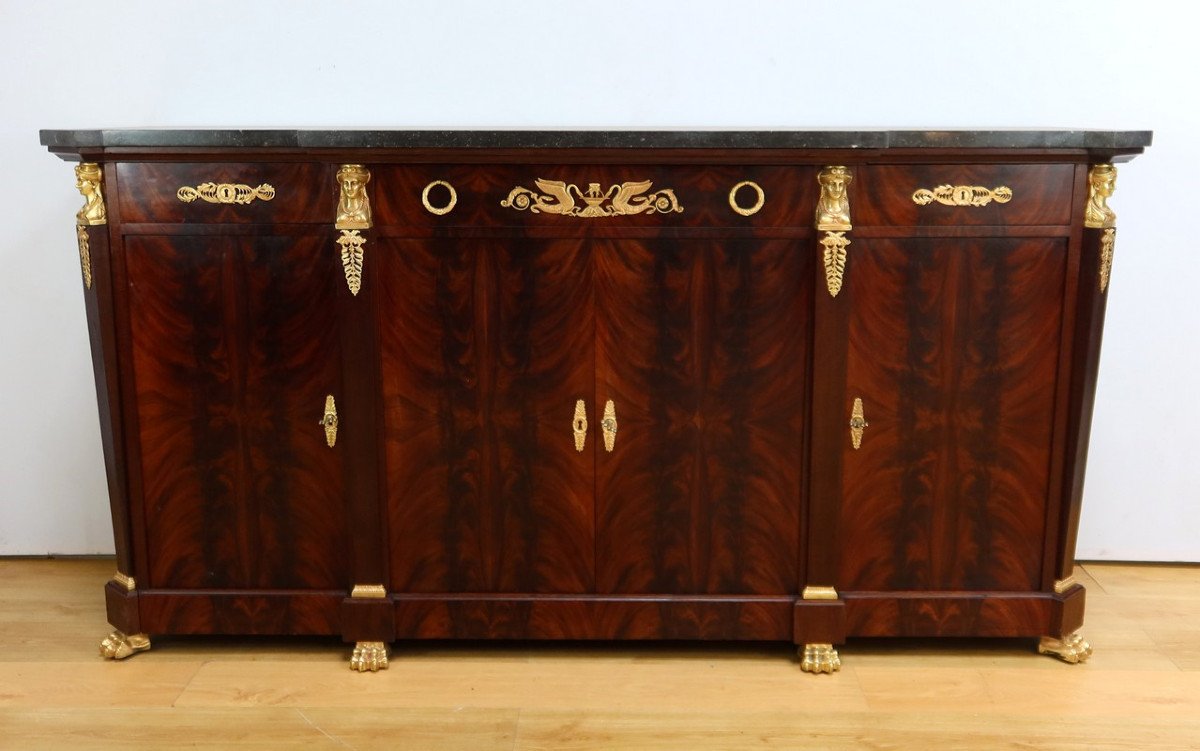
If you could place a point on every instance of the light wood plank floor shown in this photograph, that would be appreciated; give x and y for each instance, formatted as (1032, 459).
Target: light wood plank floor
(1140, 691)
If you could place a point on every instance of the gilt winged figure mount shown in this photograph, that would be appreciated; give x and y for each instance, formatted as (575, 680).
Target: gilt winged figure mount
(557, 197)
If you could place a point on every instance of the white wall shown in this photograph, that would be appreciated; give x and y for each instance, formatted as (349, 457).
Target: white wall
(650, 63)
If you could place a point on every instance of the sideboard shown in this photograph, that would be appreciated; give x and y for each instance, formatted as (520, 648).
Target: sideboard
(726, 385)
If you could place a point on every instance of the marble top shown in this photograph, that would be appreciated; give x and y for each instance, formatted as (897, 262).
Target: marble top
(589, 139)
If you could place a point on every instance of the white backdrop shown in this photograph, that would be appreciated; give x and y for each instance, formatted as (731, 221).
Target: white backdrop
(650, 63)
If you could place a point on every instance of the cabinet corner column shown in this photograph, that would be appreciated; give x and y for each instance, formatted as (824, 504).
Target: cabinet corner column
(820, 615)
(1095, 271)
(367, 615)
(828, 394)
(92, 237)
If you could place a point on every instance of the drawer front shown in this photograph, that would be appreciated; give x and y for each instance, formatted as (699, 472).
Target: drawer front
(977, 194)
(262, 193)
(580, 197)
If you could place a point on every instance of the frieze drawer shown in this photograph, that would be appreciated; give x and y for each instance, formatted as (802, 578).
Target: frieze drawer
(221, 192)
(962, 194)
(582, 197)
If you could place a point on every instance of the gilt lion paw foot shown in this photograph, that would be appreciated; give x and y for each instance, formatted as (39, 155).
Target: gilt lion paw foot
(118, 645)
(819, 658)
(1071, 648)
(369, 656)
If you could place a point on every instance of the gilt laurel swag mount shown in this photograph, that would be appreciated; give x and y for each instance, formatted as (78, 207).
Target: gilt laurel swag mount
(782, 386)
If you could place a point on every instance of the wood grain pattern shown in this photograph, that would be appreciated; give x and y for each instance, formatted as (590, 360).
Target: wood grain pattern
(486, 346)
(305, 192)
(881, 195)
(956, 614)
(953, 347)
(234, 349)
(701, 347)
(240, 612)
(597, 617)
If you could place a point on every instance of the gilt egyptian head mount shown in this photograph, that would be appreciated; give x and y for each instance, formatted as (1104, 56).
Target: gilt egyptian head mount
(88, 180)
(833, 207)
(1102, 182)
(354, 209)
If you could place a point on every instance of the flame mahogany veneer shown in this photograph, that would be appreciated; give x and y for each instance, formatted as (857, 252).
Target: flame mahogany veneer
(971, 334)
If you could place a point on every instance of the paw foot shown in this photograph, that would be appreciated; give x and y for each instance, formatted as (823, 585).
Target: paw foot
(118, 646)
(369, 656)
(1072, 648)
(819, 658)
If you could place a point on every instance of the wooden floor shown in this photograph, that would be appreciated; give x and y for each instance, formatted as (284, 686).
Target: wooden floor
(1141, 690)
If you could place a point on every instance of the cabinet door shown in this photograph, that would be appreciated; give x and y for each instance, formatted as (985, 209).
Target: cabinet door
(953, 349)
(487, 346)
(235, 347)
(701, 346)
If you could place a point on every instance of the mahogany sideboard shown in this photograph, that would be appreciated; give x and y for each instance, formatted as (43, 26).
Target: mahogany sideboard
(785, 385)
